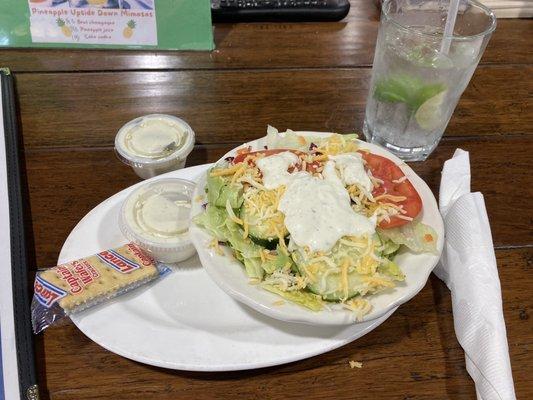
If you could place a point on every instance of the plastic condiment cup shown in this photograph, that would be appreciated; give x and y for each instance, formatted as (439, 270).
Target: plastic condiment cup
(154, 144)
(156, 216)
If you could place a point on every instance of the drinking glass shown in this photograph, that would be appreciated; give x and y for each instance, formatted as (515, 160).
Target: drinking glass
(419, 74)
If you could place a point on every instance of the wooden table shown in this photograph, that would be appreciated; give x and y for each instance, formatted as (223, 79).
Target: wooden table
(301, 76)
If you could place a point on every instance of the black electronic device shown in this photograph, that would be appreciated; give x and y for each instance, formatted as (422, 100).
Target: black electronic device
(278, 10)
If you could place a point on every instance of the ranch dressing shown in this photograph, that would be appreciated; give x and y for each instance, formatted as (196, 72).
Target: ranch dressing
(154, 144)
(154, 137)
(330, 175)
(156, 216)
(317, 215)
(318, 210)
(274, 169)
(352, 170)
(161, 216)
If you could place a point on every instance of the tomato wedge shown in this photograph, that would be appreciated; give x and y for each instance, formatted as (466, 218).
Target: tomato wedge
(394, 184)
(242, 156)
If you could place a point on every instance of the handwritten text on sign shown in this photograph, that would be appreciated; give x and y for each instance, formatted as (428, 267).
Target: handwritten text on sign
(93, 25)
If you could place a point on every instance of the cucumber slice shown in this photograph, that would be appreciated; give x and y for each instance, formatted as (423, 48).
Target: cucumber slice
(324, 280)
(280, 261)
(330, 290)
(262, 231)
(269, 244)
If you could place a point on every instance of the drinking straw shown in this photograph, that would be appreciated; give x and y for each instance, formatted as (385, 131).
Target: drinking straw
(447, 36)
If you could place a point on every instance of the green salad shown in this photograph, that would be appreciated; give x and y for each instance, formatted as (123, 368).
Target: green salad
(315, 220)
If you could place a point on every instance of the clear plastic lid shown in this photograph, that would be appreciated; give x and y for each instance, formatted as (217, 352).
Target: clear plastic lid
(156, 216)
(154, 140)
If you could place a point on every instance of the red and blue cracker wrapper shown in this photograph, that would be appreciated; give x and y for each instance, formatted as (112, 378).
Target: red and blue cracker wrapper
(77, 285)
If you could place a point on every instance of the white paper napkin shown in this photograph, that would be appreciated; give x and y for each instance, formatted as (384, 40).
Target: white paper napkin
(468, 267)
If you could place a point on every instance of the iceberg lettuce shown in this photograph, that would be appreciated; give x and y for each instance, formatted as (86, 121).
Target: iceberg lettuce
(390, 248)
(287, 140)
(391, 269)
(306, 299)
(215, 221)
(418, 237)
(220, 190)
(279, 262)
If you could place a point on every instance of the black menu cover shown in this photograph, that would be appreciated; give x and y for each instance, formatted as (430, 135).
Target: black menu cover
(17, 380)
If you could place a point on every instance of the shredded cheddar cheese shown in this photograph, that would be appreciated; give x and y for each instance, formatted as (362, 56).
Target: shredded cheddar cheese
(390, 197)
(400, 180)
(321, 158)
(309, 272)
(378, 281)
(359, 306)
(238, 172)
(344, 271)
(405, 217)
(213, 244)
(245, 226)
(225, 171)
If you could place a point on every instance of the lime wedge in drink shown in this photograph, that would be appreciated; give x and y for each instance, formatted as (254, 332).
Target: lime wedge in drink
(406, 89)
(429, 114)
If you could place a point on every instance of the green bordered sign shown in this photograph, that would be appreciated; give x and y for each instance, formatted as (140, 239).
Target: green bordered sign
(129, 24)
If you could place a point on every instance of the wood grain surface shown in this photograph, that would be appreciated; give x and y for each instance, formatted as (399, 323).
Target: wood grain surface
(413, 355)
(311, 76)
(235, 106)
(349, 43)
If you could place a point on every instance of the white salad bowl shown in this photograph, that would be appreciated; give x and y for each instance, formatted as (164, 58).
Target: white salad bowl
(229, 274)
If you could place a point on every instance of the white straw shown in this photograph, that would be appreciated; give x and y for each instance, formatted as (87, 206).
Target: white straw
(448, 28)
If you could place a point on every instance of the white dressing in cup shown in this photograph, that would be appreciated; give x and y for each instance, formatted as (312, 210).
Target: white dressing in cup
(156, 216)
(154, 144)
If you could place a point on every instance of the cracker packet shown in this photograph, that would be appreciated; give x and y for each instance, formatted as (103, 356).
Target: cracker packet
(77, 285)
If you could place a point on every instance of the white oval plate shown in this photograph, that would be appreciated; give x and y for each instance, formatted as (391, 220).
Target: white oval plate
(184, 321)
(230, 276)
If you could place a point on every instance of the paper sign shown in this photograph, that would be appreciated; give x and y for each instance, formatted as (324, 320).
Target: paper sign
(93, 21)
(124, 24)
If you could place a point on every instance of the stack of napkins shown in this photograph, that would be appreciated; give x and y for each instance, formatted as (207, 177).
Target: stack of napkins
(510, 8)
(468, 267)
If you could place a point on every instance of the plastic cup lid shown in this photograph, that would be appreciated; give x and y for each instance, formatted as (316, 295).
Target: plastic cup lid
(153, 140)
(156, 215)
